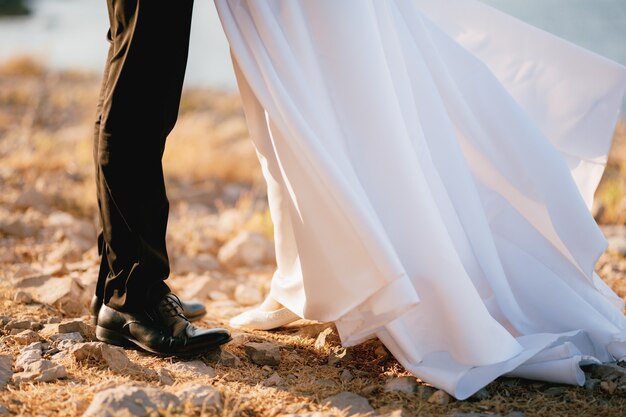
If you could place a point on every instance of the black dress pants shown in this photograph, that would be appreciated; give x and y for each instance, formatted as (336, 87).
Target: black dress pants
(137, 109)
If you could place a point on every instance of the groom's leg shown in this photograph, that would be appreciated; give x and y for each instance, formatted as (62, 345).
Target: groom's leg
(137, 110)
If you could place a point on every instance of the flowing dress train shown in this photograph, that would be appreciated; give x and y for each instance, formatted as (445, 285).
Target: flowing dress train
(430, 169)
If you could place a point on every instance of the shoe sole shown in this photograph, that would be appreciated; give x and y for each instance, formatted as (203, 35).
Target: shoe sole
(114, 338)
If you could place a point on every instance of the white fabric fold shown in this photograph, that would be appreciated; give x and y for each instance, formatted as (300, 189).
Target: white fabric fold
(430, 167)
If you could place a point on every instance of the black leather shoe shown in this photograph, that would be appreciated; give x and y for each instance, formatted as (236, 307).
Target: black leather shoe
(192, 310)
(161, 329)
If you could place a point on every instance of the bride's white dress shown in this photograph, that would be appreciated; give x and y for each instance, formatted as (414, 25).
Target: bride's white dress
(430, 169)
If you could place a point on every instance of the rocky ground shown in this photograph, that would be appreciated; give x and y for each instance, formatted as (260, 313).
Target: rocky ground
(221, 253)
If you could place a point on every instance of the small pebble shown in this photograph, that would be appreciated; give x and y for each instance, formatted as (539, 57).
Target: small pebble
(592, 384)
(370, 389)
(229, 359)
(346, 376)
(440, 397)
(23, 297)
(18, 325)
(166, 377)
(325, 382)
(554, 391)
(381, 353)
(263, 353)
(26, 337)
(608, 386)
(274, 380)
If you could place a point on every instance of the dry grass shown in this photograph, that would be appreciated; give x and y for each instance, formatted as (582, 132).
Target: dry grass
(302, 367)
(45, 143)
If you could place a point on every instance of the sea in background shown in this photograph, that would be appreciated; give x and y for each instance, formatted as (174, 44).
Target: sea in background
(71, 33)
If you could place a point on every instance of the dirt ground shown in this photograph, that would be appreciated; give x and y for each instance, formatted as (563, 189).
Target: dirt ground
(48, 222)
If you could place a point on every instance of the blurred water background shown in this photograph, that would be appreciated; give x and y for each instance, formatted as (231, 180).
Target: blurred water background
(71, 33)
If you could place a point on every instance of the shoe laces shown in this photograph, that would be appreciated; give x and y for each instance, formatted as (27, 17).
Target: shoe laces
(171, 305)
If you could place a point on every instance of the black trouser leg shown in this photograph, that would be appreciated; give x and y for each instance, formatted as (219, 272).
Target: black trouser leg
(138, 107)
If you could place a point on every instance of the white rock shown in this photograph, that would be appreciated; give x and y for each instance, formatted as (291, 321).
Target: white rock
(608, 386)
(6, 371)
(115, 357)
(246, 249)
(33, 198)
(225, 308)
(311, 414)
(424, 391)
(201, 396)
(42, 370)
(440, 397)
(405, 384)
(346, 376)
(263, 353)
(17, 228)
(325, 382)
(165, 376)
(198, 264)
(401, 413)
(57, 269)
(71, 225)
(76, 326)
(25, 270)
(230, 220)
(37, 346)
(617, 244)
(229, 359)
(274, 380)
(248, 295)
(26, 337)
(30, 280)
(60, 219)
(218, 295)
(194, 368)
(23, 297)
(613, 230)
(239, 338)
(130, 401)
(69, 339)
(18, 325)
(349, 402)
(67, 251)
(28, 355)
(81, 232)
(194, 287)
(66, 294)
